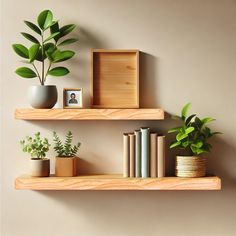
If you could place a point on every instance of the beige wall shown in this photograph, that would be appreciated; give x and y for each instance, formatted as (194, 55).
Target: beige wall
(189, 55)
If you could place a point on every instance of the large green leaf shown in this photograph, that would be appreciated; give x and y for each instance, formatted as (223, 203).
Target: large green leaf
(50, 48)
(58, 71)
(175, 144)
(207, 120)
(181, 136)
(185, 110)
(41, 56)
(66, 29)
(174, 130)
(45, 19)
(53, 22)
(54, 29)
(189, 130)
(32, 26)
(26, 72)
(33, 52)
(30, 37)
(51, 36)
(21, 50)
(60, 56)
(67, 42)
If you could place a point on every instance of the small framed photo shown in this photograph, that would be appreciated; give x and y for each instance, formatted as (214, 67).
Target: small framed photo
(73, 98)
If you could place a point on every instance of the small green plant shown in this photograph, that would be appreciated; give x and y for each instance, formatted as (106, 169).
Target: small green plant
(46, 49)
(36, 146)
(193, 135)
(66, 149)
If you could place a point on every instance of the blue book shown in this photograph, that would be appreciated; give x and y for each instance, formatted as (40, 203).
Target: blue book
(145, 152)
(137, 153)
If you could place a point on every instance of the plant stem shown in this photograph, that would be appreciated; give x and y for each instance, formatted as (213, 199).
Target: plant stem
(37, 73)
(50, 64)
(43, 80)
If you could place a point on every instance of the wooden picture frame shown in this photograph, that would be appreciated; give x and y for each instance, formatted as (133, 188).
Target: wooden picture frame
(72, 98)
(114, 78)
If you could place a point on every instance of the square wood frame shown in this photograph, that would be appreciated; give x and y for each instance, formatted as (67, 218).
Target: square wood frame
(114, 78)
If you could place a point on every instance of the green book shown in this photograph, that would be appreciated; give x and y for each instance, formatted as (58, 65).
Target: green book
(145, 152)
(137, 153)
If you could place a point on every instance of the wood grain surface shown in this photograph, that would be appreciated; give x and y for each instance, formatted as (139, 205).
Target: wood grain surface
(90, 114)
(116, 182)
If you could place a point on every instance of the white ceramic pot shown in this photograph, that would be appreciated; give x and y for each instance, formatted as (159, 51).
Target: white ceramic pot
(43, 96)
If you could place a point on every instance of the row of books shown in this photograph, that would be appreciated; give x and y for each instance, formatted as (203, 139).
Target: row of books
(143, 154)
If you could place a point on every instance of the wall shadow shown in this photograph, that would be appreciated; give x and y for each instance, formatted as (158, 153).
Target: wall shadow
(148, 80)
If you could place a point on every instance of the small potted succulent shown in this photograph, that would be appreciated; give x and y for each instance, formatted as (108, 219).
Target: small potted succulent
(44, 52)
(192, 137)
(37, 147)
(66, 160)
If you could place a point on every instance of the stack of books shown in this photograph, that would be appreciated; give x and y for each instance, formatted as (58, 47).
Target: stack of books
(144, 154)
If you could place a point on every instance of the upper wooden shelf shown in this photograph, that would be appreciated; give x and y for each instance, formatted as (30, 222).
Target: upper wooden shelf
(90, 114)
(116, 182)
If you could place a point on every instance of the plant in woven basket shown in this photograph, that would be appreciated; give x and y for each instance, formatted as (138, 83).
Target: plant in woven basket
(194, 133)
(36, 146)
(47, 48)
(66, 149)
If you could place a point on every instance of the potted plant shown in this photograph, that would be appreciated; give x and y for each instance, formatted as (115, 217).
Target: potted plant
(192, 137)
(37, 147)
(45, 50)
(66, 164)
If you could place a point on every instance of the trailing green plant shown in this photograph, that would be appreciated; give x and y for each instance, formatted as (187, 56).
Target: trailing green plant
(46, 49)
(36, 146)
(194, 133)
(66, 149)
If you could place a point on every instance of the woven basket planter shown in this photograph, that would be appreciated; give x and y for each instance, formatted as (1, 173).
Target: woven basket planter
(190, 166)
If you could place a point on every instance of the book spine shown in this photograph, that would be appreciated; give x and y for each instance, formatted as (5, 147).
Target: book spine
(161, 156)
(137, 153)
(145, 146)
(132, 155)
(153, 155)
(125, 155)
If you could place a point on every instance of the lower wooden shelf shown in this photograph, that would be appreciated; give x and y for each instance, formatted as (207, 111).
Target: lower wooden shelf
(116, 182)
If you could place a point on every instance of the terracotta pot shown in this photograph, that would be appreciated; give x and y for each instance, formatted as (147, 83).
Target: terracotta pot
(190, 166)
(66, 166)
(39, 167)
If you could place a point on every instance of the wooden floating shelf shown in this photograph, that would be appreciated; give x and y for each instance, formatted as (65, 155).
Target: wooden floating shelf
(90, 114)
(116, 182)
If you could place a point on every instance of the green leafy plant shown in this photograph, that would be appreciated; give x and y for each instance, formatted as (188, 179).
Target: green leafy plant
(36, 146)
(66, 149)
(194, 134)
(46, 48)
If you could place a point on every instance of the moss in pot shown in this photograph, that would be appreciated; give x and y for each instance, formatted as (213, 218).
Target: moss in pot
(66, 159)
(37, 147)
(192, 137)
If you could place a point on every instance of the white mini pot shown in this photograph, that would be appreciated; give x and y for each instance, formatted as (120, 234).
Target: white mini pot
(190, 166)
(39, 167)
